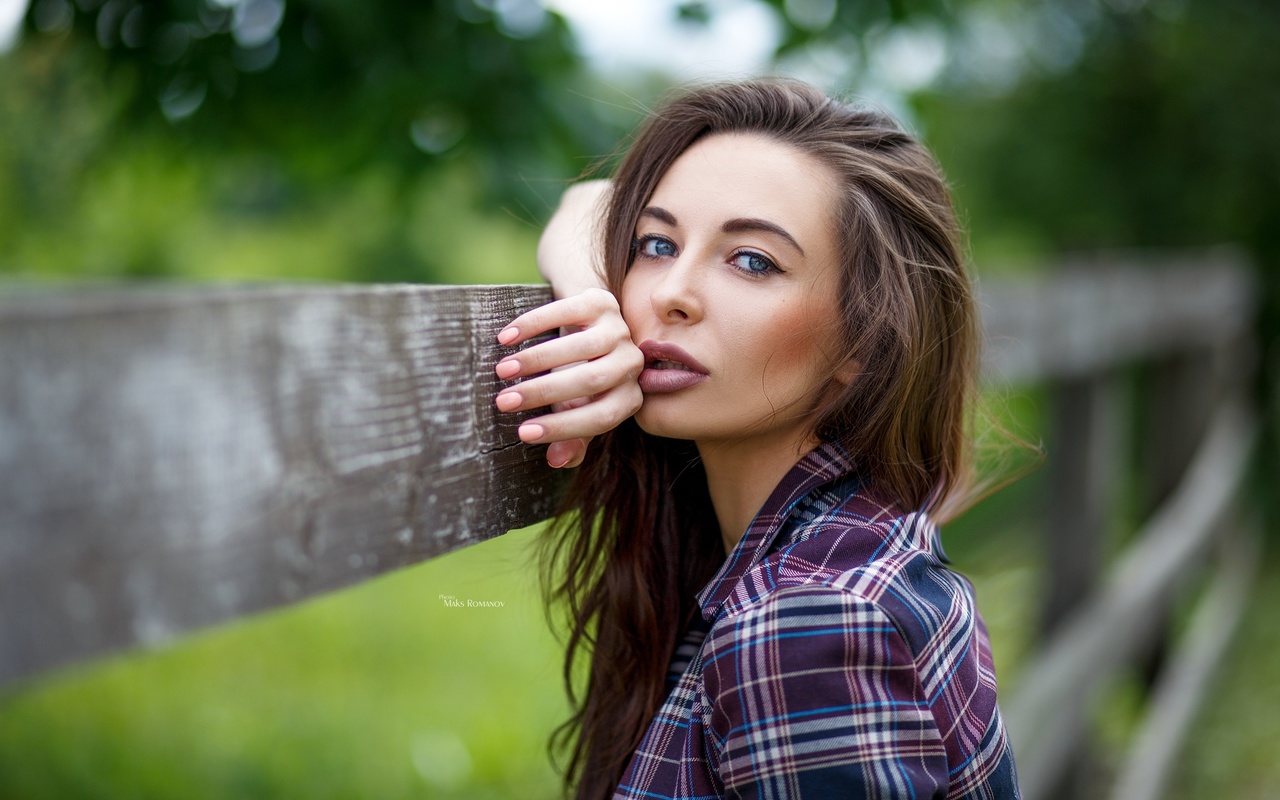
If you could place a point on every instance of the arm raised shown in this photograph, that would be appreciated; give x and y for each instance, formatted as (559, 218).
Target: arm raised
(570, 247)
(586, 377)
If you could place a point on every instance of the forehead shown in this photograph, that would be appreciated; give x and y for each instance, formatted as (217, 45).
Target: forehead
(730, 175)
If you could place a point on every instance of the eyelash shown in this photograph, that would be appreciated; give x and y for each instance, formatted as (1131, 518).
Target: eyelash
(638, 243)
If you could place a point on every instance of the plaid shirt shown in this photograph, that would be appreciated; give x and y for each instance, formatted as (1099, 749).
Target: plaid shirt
(836, 657)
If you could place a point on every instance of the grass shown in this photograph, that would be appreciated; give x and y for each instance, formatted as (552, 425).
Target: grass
(381, 691)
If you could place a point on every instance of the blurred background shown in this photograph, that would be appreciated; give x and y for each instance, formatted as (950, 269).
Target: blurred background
(427, 141)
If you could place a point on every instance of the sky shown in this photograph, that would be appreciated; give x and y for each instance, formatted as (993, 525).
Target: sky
(11, 12)
(620, 35)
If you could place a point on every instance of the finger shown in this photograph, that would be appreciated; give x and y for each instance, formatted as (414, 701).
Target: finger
(582, 346)
(565, 405)
(583, 309)
(599, 416)
(566, 454)
(586, 379)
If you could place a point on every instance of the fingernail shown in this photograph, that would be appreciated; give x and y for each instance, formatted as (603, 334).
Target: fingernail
(508, 401)
(558, 455)
(507, 369)
(531, 432)
(508, 335)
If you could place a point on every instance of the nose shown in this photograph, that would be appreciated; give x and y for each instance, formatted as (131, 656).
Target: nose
(677, 296)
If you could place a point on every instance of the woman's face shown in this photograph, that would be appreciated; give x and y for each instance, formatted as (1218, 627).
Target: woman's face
(733, 293)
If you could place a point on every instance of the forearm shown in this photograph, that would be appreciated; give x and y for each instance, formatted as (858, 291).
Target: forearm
(569, 251)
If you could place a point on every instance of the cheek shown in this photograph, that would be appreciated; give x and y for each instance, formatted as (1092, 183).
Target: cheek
(793, 353)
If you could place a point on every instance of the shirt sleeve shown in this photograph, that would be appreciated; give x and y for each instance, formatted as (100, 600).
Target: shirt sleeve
(813, 693)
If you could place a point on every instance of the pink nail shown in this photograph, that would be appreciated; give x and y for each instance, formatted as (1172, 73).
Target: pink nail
(508, 401)
(508, 335)
(507, 369)
(531, 432)
(556, 457)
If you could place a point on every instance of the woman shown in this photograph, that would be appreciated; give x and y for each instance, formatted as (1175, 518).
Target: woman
(751, 561)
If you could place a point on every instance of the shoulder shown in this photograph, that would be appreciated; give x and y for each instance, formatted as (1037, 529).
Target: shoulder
(865, 598)
(885, 562)
(866, 675)
(805, 629)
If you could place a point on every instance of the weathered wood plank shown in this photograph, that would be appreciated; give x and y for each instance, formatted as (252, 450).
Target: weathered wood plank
(1085, 454)
(1086, 317)
(1107, 630)
(1082, 476)
(1184, 684)
(172, 458)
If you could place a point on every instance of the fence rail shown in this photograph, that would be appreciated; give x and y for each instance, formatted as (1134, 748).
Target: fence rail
(1047, 716)
(1187, 321)
(171, 458)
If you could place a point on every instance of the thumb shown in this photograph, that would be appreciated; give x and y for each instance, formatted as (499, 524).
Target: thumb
(568, 453)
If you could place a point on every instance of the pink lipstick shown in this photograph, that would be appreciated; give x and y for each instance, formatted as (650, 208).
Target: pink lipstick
(668, 368)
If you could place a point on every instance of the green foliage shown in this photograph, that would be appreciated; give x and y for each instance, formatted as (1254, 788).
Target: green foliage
(1161, 134)
(149, 205)
(330, 86)
(810, 23)
(317, 163)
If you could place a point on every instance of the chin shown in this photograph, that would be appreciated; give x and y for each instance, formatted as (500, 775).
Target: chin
(658, 418)
(656, 423)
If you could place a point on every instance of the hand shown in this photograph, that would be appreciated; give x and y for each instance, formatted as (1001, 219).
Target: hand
(587, 377)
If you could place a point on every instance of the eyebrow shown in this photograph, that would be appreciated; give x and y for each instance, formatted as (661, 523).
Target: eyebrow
(753, 224)
(660, 214)
(736, 225)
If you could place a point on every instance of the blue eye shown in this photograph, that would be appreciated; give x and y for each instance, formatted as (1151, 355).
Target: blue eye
(753, 263)
(653, 246)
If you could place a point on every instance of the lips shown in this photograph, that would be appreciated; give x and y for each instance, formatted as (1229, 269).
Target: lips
(668, 368)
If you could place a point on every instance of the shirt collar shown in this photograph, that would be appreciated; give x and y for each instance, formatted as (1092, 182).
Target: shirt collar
(823, 464)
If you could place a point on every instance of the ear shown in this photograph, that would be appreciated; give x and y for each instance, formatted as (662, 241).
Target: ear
(848, 371)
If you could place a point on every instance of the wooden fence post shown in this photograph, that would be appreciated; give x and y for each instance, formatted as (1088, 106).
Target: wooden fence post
(1082, 470)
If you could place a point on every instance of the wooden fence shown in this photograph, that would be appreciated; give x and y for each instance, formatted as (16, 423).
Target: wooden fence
(1184, 324)
(171, 458)
(174, 457)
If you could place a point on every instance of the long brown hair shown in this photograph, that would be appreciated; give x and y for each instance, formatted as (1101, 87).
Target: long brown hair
(638, 538)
